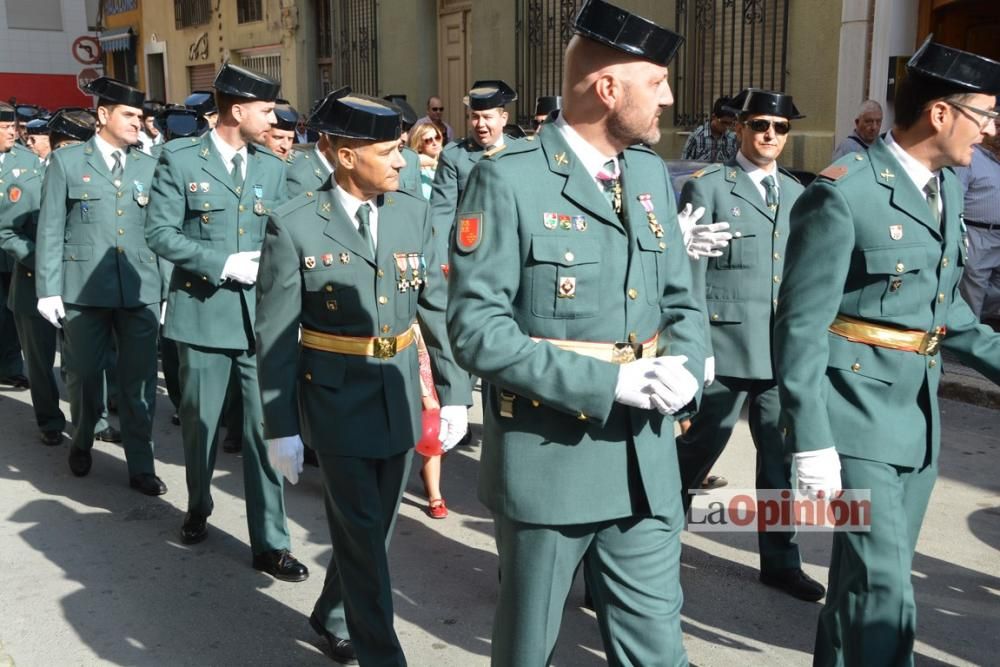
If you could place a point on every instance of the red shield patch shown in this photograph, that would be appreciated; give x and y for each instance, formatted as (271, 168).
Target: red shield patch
(14, 194)
(469, 232)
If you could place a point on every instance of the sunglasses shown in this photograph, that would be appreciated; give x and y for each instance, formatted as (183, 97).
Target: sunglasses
(432, 140)
(760, 125)
(437, 108)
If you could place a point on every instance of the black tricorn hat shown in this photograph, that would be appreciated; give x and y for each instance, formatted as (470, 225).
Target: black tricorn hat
(74, 123)
(324, 102)
(152, 107)
(202, 101)
(407, 116)
(112, 91)
(357, 117)
(514, 131)
(37, 126)
(178, 122)
(242, 82)
(751, 101)
(489, 95)
(627, 32)
(966, 71)
(26, 112)
(7, 113)
(286, 116)
(546, 104)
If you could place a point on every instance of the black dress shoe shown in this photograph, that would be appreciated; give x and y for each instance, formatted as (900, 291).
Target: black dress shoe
(341, 650)
(110, 434)
(309, 457)
(17, 381)
(194, 529)
(79, 461)
(51, 438)
(148, 483)
(281, 564)
(795, 582)
(232, 446)
(175, 419)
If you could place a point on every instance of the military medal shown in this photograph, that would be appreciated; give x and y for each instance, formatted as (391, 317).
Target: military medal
(567, 288)
(117, 183)
(550, 220)
(192, 187)
(647, 204)
(328, 259)
(310, 262)
(735, 211)
(345, 258)
(86, 178)
(895, 232)
(895, 285)
(258, 194)
(17, 172)
(580, 223)
(414, 260)
(564, 222)
(141, 196)
(402, 284)
(204, 187)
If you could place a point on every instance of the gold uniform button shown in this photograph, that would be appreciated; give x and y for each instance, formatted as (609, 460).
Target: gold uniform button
(29, 274)
(380, 273)
(207, 204)
(535, 403)
(776, 233)
(120, 195)
(776, 279)
(900, 268)
(569, 256)
(188, 285)
(309, 377)
(632, 337)
(241, 231)
(858, 158)
(121, 250)
(328, 288)
(944, 262)
(737, 235)
(715, 316)
(385, 328)
(309, 194)
(775, 302)
(121, 212)
(777, 255)
(204, 278)
(242, 208)
(932, 363)
(121, 232)
(85, 195)
(633, 293)
(940, 297)
(582, 417)
(855, 367)
(663, 246)
(383, 300)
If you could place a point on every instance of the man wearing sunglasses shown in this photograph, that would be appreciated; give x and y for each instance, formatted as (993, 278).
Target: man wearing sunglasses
(741, 285)
(868, 297)
(435, 110)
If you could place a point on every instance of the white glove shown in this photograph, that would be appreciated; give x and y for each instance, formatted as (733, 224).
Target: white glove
(660, 383)
(242, 267)
(702, 240)
(286, 455)
(709, 371)
(163, 313)
(818, 473)
(52, 309)
(454, 425)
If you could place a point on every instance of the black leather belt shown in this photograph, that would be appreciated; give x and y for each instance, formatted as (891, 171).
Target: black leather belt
(983, 225)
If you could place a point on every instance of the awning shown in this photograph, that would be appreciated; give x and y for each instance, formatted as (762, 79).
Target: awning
(116, 39)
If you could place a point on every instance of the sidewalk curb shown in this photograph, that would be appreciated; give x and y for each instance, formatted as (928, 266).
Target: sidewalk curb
(970, 390)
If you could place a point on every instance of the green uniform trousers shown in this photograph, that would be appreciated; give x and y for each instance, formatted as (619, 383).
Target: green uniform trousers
(40, 357)
(88, 331)
(204, 375)
(362, 501)
(171, 364)
(870, 616)
(633, 575)
(10, 347)
(711, 428)
(74, 398)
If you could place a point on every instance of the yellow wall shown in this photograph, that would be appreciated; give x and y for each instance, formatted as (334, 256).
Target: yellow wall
(131, 19)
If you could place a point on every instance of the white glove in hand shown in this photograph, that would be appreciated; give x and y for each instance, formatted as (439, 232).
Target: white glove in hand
(163, 313)
(687, 219)
(52, 309)
(242, 267)
(454, 425)
(660, 383)
(818, 473)
(286, 455)
(707, 240)
(709, 371)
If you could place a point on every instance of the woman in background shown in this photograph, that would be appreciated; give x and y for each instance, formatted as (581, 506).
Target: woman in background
(426, 140)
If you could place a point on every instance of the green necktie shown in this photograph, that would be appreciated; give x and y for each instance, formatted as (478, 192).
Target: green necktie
(236, 173)
(116, 169)
(933, 191)
(770, 192)
(363, 216)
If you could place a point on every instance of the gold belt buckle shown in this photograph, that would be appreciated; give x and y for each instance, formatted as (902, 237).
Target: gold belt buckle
(624, 353)
(931, 342)
(385, 347)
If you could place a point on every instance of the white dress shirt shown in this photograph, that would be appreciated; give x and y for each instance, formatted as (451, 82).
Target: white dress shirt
(917, 173)
(351, 204)
(106, 150)
(227, 153)
(758, 174)
(592, 159)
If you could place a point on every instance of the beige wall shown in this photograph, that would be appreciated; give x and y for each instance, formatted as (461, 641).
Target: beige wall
(408, 50)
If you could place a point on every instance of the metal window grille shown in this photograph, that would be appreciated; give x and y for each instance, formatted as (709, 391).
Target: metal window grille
(543, 28)
(357, 21)
(248, 11)
(324, 29)
(268, 64)
(189, 13)
(731, 45)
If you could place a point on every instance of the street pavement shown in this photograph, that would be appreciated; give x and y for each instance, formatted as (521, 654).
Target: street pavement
(93, 573)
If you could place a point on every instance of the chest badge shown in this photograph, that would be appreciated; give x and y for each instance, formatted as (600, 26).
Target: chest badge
(735, 212)
(345, 258)
(580, 223)
(402, 283)
(564, 222)
(895, 232)
(86, 178)
(328, 259)
(204, 187)
(567, 288)
(310, 262)
(550, 220)
(560, 159)
(887, 175)
(654, 225)
(192, 187)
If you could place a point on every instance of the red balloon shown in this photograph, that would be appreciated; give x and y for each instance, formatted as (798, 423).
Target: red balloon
(430, 441)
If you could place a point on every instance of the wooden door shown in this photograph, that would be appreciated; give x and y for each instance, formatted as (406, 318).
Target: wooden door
(454, 63)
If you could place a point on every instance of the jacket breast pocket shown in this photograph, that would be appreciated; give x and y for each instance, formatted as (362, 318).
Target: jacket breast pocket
(86, 201)
(210, 212)
(651, 255)
(725, 312)
(741, 253)
(332, 291)
(324, 369)
(565, 277)
(890, 270)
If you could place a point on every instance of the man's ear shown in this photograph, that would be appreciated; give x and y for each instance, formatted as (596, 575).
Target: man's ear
(938, 113)
(346, 157)
(609, 90)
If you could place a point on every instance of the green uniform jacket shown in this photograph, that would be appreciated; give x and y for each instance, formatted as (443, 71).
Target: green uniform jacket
(316, 271)
(863, 243)
(18, 227)
(564, 457)
(196, 221)
(19, 161)
(305, 172)
(741, 286)
(409, 175)
(90, 246)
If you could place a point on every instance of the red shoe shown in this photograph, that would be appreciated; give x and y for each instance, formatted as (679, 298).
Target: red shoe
(436, 509)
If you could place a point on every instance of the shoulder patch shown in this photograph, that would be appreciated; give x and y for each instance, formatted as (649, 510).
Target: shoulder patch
(469, 231)
(14, 194)
(833, 172)
(710, 169)
(293, 204)
(493, 151)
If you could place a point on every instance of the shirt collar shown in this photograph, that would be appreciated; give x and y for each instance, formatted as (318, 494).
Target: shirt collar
(323, 160)
(106, 149)
(592, 159)
(351, 204)
(226, 151)
(917, 172)
(755, 173)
